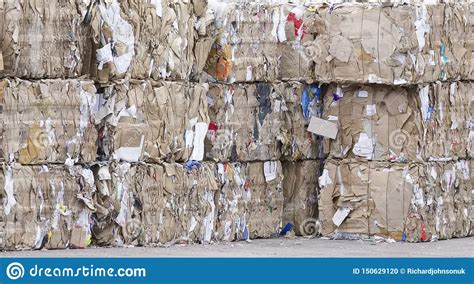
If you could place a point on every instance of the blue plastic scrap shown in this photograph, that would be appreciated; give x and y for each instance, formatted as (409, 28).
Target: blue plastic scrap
(444, 58)
(310, 93)
(246, 235)
(430, 113)
(192, 165)
(286, 229)
(336, 97)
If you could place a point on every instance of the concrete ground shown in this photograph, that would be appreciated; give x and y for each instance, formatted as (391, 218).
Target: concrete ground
(281, 247)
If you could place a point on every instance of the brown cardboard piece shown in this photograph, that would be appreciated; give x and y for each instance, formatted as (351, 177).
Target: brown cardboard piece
(323, 127)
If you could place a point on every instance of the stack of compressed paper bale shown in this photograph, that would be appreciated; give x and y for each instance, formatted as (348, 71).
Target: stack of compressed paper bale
(166, 121)
(47, 135)
(401, 102)
(182, 159)
(390, 87)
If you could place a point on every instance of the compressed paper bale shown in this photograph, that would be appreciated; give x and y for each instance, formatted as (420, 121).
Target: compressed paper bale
(232, 202)
(261, 42)
(134, 211)
(462, 197)
(258, 122)
(45, 207)
(155, 205)
(366, 198)
(447, 120)
(170, 203)
(137, 39)
(300, 191)
(115, 216)
(444, 207)
(354, 196)
(297, 142)
(3, 85)
(44, 39)
(154, 121)
(402, 44)
(49, 121)
(202, 186)
(411, 202)
(250, 200)
(429, 122)
(248, 120)
(375, 123)
(266, 202)
(2, 210)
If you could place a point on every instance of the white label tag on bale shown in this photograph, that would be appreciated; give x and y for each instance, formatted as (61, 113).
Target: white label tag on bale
(340, 216)
(323, 127)
(362, 94)
(371, 110)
